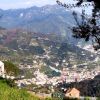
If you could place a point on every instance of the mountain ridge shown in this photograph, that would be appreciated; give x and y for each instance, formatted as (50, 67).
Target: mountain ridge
(46, 19)
(51, 19)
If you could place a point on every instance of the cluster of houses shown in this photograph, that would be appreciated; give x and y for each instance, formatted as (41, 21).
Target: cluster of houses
(42, 79)
(66, 76)
(72, 92)
(71, 75)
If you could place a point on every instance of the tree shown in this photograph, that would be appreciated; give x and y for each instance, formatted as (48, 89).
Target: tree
(89, 29)
(96, 3)
(10, 68)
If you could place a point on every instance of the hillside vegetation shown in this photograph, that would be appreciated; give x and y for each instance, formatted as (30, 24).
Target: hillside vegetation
(11, 69)
(12, 93)
(8, 93)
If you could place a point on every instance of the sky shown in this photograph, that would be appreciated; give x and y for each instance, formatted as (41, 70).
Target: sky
(9, 4)
(15, 4)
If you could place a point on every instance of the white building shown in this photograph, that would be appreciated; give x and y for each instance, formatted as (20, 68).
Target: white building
(1, 68)
(41, 78)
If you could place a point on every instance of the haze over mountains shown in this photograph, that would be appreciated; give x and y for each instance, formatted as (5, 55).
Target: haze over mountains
(46, 19)
(51, 19)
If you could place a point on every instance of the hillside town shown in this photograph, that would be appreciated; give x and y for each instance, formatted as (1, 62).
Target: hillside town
(50, 50)
(66, 75)
(40, 79)
(44, 64)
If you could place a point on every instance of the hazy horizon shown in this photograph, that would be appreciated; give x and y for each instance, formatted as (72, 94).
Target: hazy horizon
(16, 4)
(21, 4)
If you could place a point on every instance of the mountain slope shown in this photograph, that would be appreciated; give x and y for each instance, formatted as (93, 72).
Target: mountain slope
(46, 19)
(11, 93)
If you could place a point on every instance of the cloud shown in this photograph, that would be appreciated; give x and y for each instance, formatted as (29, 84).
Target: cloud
(39, 2)
(4, 4)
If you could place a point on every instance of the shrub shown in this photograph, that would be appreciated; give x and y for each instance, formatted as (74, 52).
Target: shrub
(8, 93)
(10, 68)
(87, 98)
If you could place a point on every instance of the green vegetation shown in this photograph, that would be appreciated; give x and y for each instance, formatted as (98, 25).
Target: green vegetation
(88, 88)
(87, 98)
(8, 93)
(48, 99)
(49, 72)
(10, 68)
(58, 95)
(98, 98)
(36, 50)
